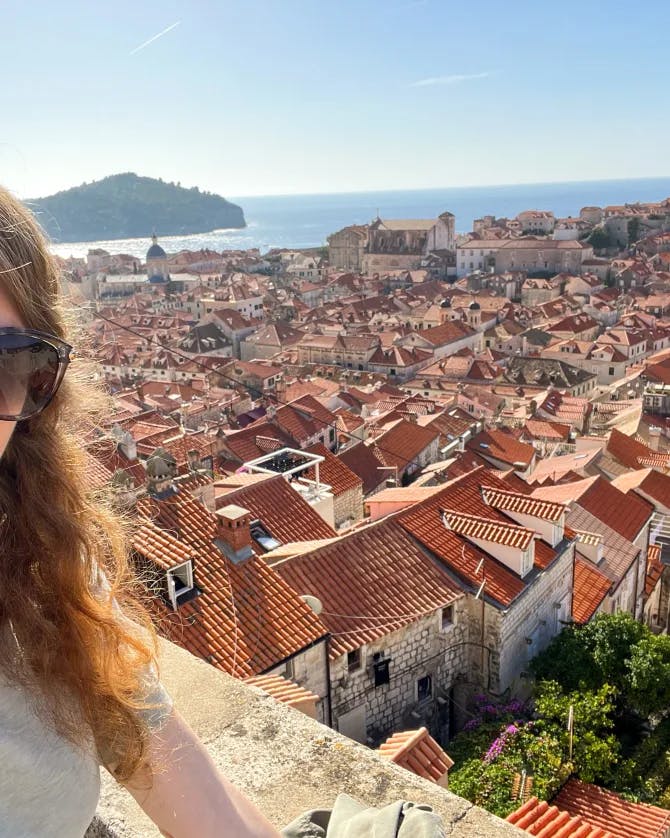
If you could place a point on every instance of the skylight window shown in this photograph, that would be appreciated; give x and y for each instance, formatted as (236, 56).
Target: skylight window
(262, 537)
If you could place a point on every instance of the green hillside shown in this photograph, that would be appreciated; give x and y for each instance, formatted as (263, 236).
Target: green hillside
(127, 206)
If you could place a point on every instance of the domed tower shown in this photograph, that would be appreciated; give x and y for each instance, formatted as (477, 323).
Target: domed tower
(157, 267)
(475, 315)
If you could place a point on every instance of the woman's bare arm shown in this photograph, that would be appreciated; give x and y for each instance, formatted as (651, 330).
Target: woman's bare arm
(187, 795)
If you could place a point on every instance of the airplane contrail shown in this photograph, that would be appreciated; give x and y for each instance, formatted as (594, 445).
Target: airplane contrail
(154, 38)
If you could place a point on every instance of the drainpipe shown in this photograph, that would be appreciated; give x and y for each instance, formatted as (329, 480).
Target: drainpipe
(330, 694)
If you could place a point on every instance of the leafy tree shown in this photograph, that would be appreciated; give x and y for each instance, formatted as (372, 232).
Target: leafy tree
(600, 238)
(649, 673)
(633, 230)
(595, 749)
(592, 655)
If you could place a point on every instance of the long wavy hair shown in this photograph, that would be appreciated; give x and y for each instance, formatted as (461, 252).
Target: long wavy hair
(68, 642)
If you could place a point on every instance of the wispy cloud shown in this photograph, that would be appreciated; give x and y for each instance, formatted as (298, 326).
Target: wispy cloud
(155, 37)
(457, 78)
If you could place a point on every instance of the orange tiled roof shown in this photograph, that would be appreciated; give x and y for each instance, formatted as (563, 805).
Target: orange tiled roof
(625, 514)
(157, 545)
(417, 751)
(610, 812)
(402, 443)
(281, 689)
(474, 526)
(539, 818)
(634, 454)
(333, 472)
(654, 568)
(525, 505)
(350, 575)
(424, 522)
(502, 446)
(590, 587)
(281, 509)
(246, 619)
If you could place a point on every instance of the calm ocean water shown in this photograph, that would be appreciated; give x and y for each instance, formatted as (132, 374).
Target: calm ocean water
(306, 220)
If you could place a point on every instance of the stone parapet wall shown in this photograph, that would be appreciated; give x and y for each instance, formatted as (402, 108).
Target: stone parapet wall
(284, 761)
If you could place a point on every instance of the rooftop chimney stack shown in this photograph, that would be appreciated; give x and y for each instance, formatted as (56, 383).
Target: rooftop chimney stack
(233, 534)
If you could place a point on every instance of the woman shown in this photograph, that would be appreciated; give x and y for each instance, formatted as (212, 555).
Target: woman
(77, 674)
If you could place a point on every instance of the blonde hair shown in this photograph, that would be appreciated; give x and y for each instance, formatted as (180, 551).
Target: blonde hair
(71, 648)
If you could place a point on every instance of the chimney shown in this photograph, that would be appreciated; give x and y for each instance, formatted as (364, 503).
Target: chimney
(233, 534)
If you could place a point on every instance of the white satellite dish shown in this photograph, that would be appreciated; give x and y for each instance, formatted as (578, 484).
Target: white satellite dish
(314, 603)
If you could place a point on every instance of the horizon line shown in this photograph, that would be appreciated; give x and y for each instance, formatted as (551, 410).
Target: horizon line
(387, 190)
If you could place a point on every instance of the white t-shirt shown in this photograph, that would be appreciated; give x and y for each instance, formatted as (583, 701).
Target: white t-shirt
(49, 787)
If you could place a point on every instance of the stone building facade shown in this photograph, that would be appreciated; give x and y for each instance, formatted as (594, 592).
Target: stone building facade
(425, 659)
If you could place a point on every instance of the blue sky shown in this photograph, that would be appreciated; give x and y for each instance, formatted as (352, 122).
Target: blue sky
(294, 96)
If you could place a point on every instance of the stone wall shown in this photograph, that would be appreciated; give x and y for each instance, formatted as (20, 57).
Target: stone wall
(349, 506)
(285, 762)
(415, 651)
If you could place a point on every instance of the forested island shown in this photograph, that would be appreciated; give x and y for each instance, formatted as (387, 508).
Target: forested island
(129, 206)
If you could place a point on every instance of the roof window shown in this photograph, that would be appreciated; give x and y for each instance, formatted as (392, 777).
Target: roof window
(262, 537)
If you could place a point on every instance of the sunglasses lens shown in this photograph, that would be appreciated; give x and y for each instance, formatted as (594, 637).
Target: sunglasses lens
(28, 372)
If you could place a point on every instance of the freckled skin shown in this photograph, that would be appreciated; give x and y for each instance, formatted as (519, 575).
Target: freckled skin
(8, 317)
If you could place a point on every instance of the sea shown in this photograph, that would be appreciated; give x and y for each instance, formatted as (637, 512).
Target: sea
(300, 221)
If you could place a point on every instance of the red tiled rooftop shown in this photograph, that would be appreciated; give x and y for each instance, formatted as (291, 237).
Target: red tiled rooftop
(351, 574)
(333, 471)
(283, 690)
(246, 619)
(539, 818)
(523, 504)
(281, 509)
(634, 454)
(607, 810)
(417, 751)
(590, 587)
(502, 446)
(402, 443)
(654, 569)
(484, 529)
(424, 522)
(625, 514)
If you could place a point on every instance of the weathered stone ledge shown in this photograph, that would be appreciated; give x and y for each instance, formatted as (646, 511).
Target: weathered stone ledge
(284, 761)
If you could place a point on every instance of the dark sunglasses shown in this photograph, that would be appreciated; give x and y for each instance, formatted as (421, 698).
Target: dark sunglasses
(32, 366)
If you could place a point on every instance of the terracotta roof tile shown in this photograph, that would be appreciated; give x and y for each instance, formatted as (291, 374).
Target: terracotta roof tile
(618, 552)
(502, 446)
(539, 818)
(402, 443)
(350, 576)
(424, 522)
(633, 453)
(654, 569)
(590, 587)
(626, 514)
(517, 502)
(484, 529)
(417, 751)
(283, 690)
(246, 619)
(607, 810)
(281, 509)
(360, 459)
(334, 472)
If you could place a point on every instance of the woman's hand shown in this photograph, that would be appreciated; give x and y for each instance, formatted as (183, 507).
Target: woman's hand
(186, 796)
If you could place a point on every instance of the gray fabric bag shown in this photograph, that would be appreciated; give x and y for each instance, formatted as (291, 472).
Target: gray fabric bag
(350, 819)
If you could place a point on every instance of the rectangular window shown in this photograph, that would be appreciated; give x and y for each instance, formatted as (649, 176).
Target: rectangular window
(424, 688)
(382, 672)
(447, 617)
(179, 581)
(354, 660)
(611, 371)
